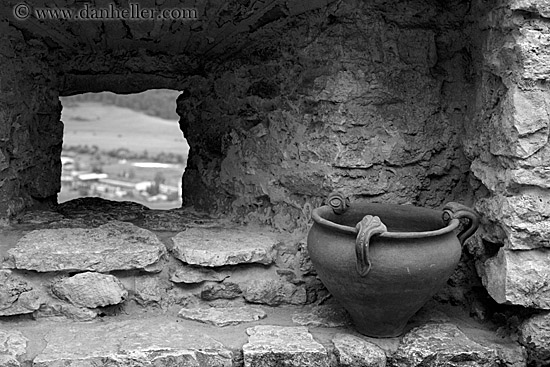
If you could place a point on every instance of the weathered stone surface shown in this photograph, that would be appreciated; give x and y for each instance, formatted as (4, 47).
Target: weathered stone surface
(535, 336)
(519, 277)
(443, 344)
(12, 346)
(17, 296)
(535, 6)
(91, 290)
(352, 351)
(97, 211)
(223, 246)
(63, 311)
(150, 290)
(223, 316)
(272, 346)
(112, 246)
(274, 292)
(193, 275)
(322, 315)
(225, 290)
(524, 218)
(532, 46)
(128, 343)
(524, 124)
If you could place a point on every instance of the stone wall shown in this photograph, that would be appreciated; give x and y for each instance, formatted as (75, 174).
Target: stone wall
(508, 143)
(368, 97)
(30, 131)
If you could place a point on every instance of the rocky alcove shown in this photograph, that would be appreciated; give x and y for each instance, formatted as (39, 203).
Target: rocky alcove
(420, 102)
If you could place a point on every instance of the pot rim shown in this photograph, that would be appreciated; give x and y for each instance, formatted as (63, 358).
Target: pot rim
(317, 216)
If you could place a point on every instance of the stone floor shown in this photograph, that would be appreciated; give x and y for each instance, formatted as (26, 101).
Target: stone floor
(265, 336)
(96, 283)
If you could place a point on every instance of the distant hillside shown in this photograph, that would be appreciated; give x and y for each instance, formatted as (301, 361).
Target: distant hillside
(111, 128)
(155, 102)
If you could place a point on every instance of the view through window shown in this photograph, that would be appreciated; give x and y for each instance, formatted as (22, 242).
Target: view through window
(123, 147)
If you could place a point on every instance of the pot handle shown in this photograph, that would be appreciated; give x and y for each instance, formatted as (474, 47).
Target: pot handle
(366, 228)
(454, 210)
(338, 201)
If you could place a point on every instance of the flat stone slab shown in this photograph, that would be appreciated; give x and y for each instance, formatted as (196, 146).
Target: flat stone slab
(352, 351)
(444, 344)
(131, 343)
(214, 247)
(322, 315)
(12, 345)
(91, 290)
(223, 316)
(112, 246)
(194, 275)
(16, 295)
(273, 346)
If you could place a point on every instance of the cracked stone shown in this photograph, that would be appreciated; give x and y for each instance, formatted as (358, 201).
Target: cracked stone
(273, 346)
(129, 343)
(91, 290)
(223, 316)
(112, 246)
(16, 295)
(219, 247)
(352, 351)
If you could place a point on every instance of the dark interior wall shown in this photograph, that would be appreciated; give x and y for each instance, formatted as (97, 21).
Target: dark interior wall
(31, 133)
(366, 96)
(279, 107)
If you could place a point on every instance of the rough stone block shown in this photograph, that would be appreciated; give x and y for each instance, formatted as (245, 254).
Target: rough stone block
(16, 295)
(523, 125)
(322, 315)
(273, 346)
(225, 290)
(12, 346)
(63, 310)
(112, 246)
(150, 290)
(352, 351)
(91, 290)
(223, 316)
(534, 51)
(535, 336)
(524, 217)
(519, 277)
(444, 344)
(128, 343)
(219, 246)
(274, 292)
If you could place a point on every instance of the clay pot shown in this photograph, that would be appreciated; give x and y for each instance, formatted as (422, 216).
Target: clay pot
(384, 262)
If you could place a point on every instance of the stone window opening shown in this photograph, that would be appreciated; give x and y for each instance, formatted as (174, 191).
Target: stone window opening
(123, 147)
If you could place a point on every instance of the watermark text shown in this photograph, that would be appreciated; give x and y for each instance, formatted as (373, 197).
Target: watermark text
(133, 11)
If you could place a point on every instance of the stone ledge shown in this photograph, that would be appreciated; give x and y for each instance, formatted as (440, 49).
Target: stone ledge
(120, 344)
(214, 247)
(112, 246)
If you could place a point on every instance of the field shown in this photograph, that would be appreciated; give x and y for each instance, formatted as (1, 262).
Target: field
(112, 127)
